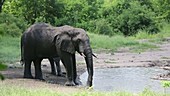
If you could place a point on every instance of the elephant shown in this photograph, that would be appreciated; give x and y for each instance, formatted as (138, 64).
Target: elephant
(42, 40)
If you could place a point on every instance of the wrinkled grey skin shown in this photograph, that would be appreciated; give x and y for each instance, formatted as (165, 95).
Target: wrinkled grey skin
(45, 41)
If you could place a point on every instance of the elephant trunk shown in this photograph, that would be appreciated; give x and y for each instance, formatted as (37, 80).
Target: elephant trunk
(89, 61)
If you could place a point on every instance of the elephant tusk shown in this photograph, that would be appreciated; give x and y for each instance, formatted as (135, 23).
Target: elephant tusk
(94, 55)
(82, 54)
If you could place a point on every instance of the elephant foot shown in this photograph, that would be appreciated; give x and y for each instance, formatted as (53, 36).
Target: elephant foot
(78, 82)
(70, 83)
(53, 73)
(63, 74)
(89, 83)
(28, 76)
(40, 78)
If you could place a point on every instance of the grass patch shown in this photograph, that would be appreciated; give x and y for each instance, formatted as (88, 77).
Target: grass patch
(9, 49)
(165, 32)
(114, 43)
(143, 47)
(18, 91)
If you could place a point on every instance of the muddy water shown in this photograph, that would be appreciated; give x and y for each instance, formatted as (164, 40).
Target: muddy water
(132, 79)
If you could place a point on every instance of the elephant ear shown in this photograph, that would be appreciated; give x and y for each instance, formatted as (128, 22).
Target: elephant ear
(65, 43)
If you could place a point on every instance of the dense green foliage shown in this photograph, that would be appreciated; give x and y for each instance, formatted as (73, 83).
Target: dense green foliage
(11, 26)
(108, 17)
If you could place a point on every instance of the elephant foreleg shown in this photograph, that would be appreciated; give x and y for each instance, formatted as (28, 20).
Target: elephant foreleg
(68, 63)
(27, 69)
(76, 79)
(74, 67)
(38, 71)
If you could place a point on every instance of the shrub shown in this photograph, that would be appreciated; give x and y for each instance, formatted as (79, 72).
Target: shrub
(11, 30)
(130, 17)
(2, 66)
(103, 27)
(11, 26)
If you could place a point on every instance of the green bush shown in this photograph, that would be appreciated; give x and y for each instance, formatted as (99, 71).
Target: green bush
(11, 30)
(11, 26)
(2, 66)
(103, 27)
(130, 17)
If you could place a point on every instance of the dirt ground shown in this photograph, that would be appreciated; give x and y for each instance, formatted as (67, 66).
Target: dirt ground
(122, 58)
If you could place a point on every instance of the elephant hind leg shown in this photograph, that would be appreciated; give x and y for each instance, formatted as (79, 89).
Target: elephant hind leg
(27, 69)
(53, 70)
(57, 62)
(38, 71)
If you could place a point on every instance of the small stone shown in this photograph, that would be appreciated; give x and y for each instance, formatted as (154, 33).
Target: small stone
(11, 66)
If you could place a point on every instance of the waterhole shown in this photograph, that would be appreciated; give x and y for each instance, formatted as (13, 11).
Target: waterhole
(132, 79)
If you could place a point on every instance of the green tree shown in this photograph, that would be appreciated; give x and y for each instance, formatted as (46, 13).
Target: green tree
(11, 25)
(35, 10)
(128, 17)
(161, 8)
(118, 16)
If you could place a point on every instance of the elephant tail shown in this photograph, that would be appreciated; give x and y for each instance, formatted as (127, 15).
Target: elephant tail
(22, 53)
(22, 59)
